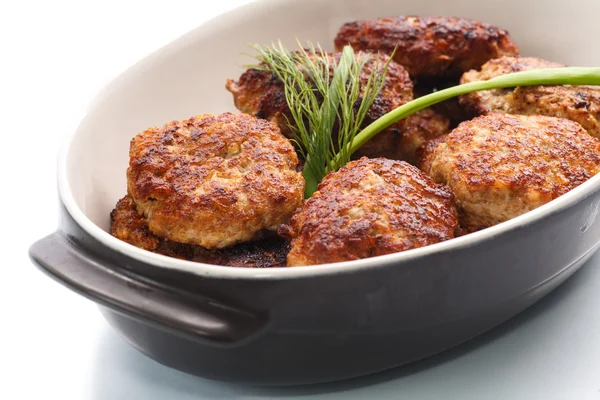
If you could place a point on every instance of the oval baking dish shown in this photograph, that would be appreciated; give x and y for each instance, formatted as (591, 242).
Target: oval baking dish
(303, 325)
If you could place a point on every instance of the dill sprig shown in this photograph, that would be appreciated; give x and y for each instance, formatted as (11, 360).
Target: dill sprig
(322, 97)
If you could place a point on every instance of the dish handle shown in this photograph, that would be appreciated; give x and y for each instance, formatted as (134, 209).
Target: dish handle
(194, 316)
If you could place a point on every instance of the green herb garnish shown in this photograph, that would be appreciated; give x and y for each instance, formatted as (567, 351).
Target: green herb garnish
(320, 92)
(317, 98)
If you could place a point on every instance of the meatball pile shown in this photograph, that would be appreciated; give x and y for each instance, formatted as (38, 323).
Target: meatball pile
(127, 224)
(228, 189)
(370, 207)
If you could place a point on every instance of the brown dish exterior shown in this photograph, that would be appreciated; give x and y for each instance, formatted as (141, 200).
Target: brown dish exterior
(214, 180)
(577, 103)
(131, 227)
(370, 207)
(427, 47)
(500, 166)
(261, 93)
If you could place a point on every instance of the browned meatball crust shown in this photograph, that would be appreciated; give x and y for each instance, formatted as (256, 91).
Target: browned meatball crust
(261, 93)
(130, 226)
(420, 127)
(426, 151)
(368, 208)
(214, 180)
(500, 166)
(429, 46)
(577, 103)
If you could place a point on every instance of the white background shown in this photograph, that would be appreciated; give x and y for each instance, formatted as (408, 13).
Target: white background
(55, 55)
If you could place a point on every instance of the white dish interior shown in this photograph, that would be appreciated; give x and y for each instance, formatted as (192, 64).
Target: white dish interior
(188, 76)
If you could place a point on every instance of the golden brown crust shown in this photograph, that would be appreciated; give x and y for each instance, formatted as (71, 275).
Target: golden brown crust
(577, 103)
(369, 207)
(420, 127)
(426, 151)
(261, 94)
(214, 180)
(130, 226)
(500, 166)
(429, 46)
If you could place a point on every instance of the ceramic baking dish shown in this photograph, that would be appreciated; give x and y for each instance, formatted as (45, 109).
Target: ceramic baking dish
(308, 324)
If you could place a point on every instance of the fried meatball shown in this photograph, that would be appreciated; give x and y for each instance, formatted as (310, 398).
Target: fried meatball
(429, 47)
(262, 94)
(130, 226)
(214, 180)
(368, 208)
(420, 127)
(577, 103)
(500, 166)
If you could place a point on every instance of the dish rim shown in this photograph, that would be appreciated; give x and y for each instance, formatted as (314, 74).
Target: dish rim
(277, 273)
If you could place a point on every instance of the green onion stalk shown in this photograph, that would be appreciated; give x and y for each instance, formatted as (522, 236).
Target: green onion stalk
(538, 77)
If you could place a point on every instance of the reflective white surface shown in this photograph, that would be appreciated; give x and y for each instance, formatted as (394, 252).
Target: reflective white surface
(54, 344)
